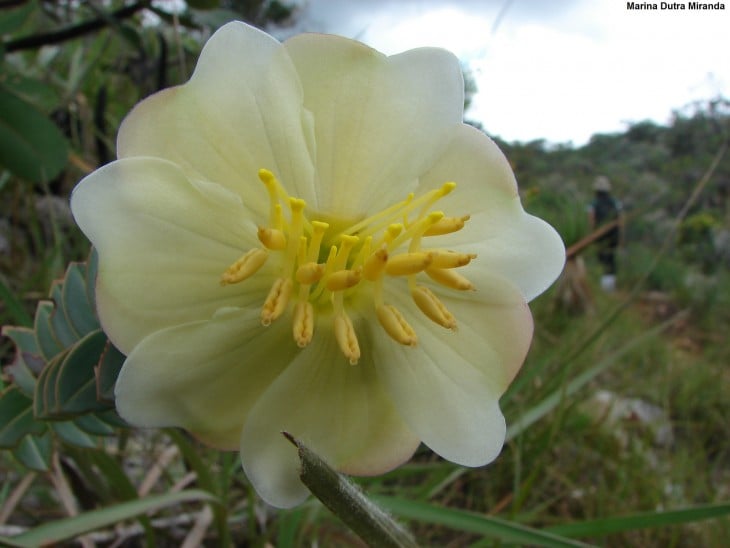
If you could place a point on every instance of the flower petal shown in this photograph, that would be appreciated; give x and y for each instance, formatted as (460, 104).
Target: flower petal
(338, 410)
(203, 376)
(163, 243)
(240, 111)
(447, 388)
(380, 120)
(507, 240)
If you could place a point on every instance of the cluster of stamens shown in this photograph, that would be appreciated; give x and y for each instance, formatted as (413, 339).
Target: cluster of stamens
(365, 252)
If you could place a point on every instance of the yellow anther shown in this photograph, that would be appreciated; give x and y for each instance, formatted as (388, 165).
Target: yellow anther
(272, 238)
(432, 307)
(451, 259)
(375, 264)
(449, 278)
(395, 325)
(406, 264)
(245, 267)
(276, 300)
(346, 338)
(447, 225)
(303, 326)
(309, 273)
(344, 279)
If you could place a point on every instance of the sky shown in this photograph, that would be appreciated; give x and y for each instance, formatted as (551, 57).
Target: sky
(559, 70)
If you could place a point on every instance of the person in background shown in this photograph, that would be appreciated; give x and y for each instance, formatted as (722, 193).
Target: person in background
(605, 209)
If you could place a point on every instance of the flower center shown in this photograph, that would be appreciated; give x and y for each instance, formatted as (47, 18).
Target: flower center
(323, 265)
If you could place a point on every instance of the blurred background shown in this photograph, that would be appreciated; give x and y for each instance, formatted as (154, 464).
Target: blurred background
(621, 408)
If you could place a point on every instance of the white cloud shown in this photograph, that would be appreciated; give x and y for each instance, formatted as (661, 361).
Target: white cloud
(555, 70)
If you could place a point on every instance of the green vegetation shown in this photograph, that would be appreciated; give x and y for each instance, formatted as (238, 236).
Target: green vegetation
(618, 422)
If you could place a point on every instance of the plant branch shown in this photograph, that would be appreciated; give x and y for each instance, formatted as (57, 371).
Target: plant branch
(72, 31)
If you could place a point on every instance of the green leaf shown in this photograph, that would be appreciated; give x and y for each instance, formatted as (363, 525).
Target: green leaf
(47, 342)
(645, 520)
(76, 301)
(471, 522)
(62, 329)
(68, 528)
(91, 424)
(16, 410)
(44, 399)
(34, 452)
(31, 146)
(348, 503)
(12, 19)
(107, 372)
(26, 358)
(76, 380)
(70, 433)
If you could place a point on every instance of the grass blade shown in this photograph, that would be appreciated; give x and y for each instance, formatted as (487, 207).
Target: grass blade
(471, 522)
(618, 524)
(64, 529)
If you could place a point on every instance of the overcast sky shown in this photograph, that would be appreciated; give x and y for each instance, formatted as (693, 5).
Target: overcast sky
(555, 69)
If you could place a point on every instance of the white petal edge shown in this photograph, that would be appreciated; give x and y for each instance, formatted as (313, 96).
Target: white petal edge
(163, 243)
(507, 240)
(241, 111)
(338, 410)
(447, 388)
(204, 376)
(379, 121)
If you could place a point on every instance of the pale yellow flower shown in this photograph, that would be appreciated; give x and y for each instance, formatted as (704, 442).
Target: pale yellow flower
(305, 237)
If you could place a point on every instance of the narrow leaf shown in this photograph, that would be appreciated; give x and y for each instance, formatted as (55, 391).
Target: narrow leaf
(348, 503)
(72, 527)
(471, 522)
(646, 520)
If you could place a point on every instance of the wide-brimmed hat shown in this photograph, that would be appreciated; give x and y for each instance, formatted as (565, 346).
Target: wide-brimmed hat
(602, 184)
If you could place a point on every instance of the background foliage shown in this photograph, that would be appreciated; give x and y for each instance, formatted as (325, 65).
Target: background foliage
(619, 429)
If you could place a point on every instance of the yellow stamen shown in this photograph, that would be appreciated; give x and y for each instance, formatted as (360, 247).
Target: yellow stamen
(276, 300)
(303, 326)
(447, 225)
(449, 278)
(346, 338)
(406, 264)
(272, 238)
(343, 279)
(245, 267)
(395, 325)
(432, 307)
(309, 273)
(375, 264)
(451, 259)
